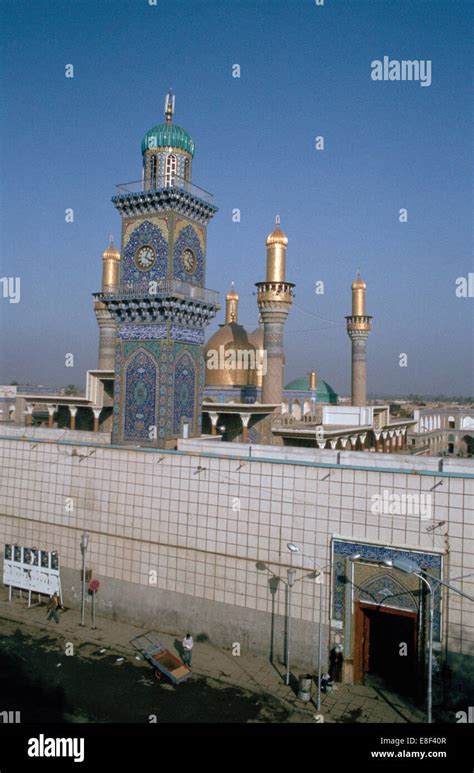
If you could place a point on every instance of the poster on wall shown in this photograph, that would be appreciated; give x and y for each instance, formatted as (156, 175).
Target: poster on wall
(31, 569)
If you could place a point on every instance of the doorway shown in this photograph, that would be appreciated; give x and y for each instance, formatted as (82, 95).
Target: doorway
(386, 647)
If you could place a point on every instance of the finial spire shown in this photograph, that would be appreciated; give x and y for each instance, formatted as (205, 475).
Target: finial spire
(169, 106)
(277, 220)
(232, 306)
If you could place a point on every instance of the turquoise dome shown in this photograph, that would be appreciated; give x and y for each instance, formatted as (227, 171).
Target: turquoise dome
(324, 391)
(168, 135)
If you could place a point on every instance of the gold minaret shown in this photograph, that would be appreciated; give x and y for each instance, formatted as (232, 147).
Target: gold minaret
(359, 325)
(105, 320)
(111, 267)
(231, 306)
(274, 298)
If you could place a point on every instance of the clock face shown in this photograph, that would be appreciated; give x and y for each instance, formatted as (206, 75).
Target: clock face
(189, 261)
(145, 257)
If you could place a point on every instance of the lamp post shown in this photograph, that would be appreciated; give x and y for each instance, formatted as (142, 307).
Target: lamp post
(291, 581)
(84, 544)
(296, 549)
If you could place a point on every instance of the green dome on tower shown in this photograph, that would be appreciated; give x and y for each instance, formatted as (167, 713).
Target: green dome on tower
(168, 135)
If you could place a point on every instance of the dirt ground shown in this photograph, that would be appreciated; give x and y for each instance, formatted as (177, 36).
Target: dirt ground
(38, 679)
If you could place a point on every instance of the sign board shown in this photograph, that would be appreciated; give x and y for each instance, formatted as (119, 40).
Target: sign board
(31, 569)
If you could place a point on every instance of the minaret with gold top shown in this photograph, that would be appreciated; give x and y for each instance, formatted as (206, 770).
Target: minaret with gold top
(155, 294)
(359, 325)
(274, 297)
(231, 306)
(105, 320)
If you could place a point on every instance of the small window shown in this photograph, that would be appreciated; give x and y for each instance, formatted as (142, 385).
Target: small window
(153, 171)
(171, 168)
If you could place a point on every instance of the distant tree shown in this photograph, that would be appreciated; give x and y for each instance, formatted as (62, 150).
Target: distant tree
(71, 389)
(13, 383)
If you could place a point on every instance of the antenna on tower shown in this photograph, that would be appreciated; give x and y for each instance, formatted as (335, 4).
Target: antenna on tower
(169, 106)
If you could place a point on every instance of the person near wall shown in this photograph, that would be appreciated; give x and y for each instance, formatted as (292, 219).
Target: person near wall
(336, 659)
(54, 605)
(188, 645)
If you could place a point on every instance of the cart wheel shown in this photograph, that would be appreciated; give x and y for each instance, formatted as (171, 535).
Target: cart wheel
(157, 675)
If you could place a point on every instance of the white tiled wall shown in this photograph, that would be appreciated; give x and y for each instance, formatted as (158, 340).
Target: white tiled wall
(202, 524)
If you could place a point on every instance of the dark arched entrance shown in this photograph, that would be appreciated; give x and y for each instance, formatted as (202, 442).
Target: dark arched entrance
(386, 644)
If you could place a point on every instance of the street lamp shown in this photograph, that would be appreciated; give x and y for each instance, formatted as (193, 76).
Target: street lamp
(291, 581)
(410, 567)
(296, 549)
(84, 544)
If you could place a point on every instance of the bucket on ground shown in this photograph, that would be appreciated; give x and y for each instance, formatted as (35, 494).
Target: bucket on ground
(304, 692)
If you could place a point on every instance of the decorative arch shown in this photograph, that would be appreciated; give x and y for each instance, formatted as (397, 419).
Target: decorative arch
(171, 169)
(150, 234)
(187, 169)
(184, 393)
(139, 406)
(188, 239)
(296, 409)
(383, 589)
(154, 170)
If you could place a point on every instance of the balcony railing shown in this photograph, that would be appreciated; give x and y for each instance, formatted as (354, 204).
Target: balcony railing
(161, 184)
(162, 287)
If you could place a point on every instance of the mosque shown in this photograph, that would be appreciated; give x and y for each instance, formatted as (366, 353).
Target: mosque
(158, 379)
(207, 537)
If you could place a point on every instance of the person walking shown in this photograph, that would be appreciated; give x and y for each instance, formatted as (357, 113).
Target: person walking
(52, 608)
(188, 645)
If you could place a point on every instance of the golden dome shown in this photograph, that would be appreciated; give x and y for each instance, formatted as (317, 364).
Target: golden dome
(230, 358)
(277, 236)
(111, 252)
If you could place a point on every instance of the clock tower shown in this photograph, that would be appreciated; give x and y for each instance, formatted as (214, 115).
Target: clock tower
(160, 305)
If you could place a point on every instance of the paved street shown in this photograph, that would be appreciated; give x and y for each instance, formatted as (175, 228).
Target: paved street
(92, 685)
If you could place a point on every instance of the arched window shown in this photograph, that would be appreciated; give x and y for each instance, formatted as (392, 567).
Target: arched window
(171, 168)
(153, 171)
(187, 169)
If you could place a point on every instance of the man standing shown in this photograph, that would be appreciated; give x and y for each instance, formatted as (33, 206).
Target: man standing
(52, 608)
(187, 649)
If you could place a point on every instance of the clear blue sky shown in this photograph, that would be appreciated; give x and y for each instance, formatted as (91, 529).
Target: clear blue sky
(305, 71)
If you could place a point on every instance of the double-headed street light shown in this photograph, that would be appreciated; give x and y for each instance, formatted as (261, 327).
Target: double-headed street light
(410, 567)
(296, 549)
(291, 581)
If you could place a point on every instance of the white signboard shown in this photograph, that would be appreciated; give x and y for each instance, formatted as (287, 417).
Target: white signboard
(31, 569)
